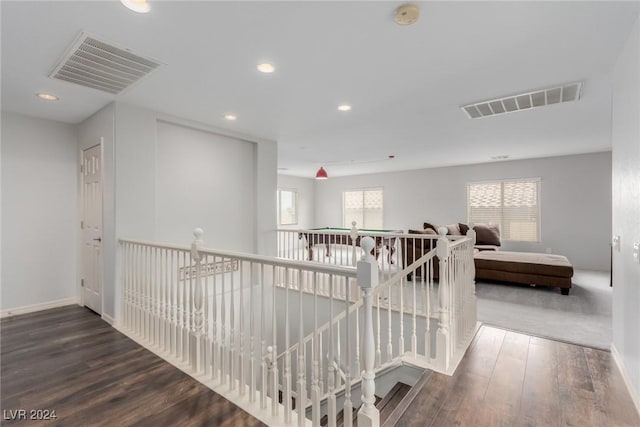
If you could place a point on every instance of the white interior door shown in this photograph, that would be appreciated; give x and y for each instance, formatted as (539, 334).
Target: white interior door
(91, 172)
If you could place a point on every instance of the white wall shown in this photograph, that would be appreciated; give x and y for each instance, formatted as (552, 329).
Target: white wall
(39, 211)
(100, 127)
(626, 208)
(575, 201)
(138, 205)
(305, 187)
(205, 180)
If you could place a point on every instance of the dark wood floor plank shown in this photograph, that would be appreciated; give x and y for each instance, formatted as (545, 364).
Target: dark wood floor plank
(578, 400)
(540, 404)
(428, 402)
(70, 360)
(501, 402)
(610, 389)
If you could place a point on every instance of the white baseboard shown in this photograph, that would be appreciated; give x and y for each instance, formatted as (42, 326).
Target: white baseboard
(635, 397)
(110, 320)
(8, 312)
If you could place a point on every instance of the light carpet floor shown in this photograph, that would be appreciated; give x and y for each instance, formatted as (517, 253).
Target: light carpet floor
(582, 317)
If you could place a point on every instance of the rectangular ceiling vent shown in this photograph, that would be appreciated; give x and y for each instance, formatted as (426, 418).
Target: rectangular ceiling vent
(100, 65)
(524, 101)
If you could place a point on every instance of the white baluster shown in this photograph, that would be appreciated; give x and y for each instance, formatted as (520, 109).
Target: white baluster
(287, 356)
(348, 404)
(197, 345)
(252, 336)
(125, 269)
(263, 337)
(378, 340)
(442, 334)
(274, 351)
(357, 358)
(414, 325)
(315, 356)
(401, 314)
(389, 332)
(331, 402)
(216, 358)
(273, 369)
(175, 272)
(301, 400)
(224, 346)
(207, 319)
(354, 236)
(368, 415)
(232, 330)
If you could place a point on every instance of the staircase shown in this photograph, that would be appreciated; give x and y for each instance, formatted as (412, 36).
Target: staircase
(385, 405)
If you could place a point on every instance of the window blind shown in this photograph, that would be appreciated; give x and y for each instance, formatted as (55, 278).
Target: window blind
(364, 207)
(512, 205)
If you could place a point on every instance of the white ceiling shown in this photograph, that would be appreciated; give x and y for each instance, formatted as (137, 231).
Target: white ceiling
(405, 84)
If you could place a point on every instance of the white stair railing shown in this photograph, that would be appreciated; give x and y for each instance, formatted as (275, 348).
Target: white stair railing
(222, 316)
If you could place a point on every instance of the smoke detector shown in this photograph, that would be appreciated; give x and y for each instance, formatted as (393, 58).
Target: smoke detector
(407, 14)
(97, 64)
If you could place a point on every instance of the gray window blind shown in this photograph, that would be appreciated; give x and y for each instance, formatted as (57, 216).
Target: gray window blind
(512, 205)
(364, 207)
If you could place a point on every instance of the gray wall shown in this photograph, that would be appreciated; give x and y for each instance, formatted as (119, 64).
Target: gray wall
(575, 201)
(205, 180)
(40, 219)
(305, 187)
(626, 208)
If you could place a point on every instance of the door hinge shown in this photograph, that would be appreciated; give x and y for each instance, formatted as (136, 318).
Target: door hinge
(82, 283)
(82, 225)
(81, 168)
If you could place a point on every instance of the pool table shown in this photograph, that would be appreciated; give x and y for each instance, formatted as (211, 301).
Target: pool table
(342, 236)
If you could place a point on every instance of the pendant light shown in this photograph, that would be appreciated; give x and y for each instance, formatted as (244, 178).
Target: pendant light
(321, 174)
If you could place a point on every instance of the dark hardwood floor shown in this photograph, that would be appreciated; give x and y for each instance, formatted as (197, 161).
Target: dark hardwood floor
(70, 361)
(512, 379)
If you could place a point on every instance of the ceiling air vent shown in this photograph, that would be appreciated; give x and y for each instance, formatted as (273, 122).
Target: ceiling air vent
(100, 65)
(524, 101)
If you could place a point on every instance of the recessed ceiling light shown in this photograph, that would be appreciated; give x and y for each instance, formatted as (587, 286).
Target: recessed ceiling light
(344, 107)
(230, 117)
(266, 68)
(47, 96)
(140, 6)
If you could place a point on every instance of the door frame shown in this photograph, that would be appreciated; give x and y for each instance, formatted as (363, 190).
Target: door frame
(83, 148)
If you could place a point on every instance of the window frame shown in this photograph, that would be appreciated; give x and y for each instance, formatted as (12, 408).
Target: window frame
(362, 190)
(503, 237)
(295, 205)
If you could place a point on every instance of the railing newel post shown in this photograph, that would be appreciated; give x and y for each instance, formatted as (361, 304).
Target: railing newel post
(197, 346)
(368, 415)
(443, 353)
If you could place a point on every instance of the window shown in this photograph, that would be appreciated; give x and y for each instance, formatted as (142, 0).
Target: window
(287, 207)
(513, 205)
(364, 207)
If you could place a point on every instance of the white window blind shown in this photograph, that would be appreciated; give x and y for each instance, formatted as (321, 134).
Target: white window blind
(512, 205)
(287, 207)
(364, 207)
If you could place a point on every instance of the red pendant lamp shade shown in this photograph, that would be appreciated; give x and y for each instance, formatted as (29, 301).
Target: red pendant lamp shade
(321, 174)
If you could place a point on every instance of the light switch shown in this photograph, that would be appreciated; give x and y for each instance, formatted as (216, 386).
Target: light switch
(616, 243)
